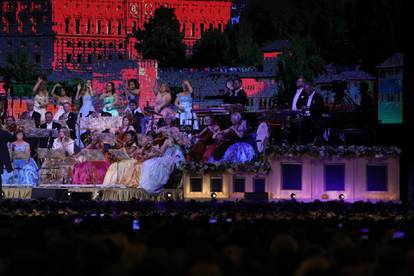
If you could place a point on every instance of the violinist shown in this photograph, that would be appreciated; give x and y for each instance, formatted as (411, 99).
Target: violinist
(204, 139)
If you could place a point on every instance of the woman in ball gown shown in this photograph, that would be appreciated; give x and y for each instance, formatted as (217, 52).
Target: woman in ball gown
(60, 99)
(91, 169)
(41, 98)
(85, 92)
(230, 147)
(110, 99)
(184, 103)
(132, 92)
(25, 168)
(127, 172)
(155, 172)
(163, 100)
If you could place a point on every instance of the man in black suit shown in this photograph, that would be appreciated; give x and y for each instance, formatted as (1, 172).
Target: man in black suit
(5, 162)
(312, 104)
(238, 95)
(49, 124)
(137, 116)
(31, 114)
(70, 119)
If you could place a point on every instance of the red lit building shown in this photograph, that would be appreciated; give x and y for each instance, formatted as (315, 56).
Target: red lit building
(79, 34)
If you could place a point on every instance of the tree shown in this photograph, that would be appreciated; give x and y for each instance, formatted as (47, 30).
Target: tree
(161, 39)
(212, 49)
(301, 59)
(19, 69)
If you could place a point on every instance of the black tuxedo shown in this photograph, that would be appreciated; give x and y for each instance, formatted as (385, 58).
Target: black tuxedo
(240, 98)
(35, 116)
(5, 137)
(48, 142)
(316, 107)
(54, 125)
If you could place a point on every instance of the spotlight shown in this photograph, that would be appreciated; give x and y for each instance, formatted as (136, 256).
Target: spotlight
(213, 195)
(293, 196)
(69, 193)
(169, 195)
(341, 196)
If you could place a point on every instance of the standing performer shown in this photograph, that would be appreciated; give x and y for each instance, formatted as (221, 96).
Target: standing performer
(60, 99)
(184, 103)
(5, 162)
(110, 99)
(41, 98)
(86, 93)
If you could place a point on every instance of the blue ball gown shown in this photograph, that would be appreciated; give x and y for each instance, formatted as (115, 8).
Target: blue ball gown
(240, 152)
(25, 173)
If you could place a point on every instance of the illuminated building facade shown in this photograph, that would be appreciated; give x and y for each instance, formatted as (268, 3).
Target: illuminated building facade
(78, 35)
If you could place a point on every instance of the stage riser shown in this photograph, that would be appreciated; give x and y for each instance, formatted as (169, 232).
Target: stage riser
(355, 177)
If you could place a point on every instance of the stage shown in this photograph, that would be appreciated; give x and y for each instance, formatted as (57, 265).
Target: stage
(98, 192)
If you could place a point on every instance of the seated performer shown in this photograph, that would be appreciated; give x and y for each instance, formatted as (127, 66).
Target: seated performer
(202, 150)
(228, 148)
(64, 142)
(237, 95)
(91, 171)
(48, 124)
(69, 118)
(155, 172)
(31, 114)
(60, 100)
(137, 116)
(25, 168)
(10, 125)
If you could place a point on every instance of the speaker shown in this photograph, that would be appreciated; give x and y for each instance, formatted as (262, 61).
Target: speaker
(50, 193)
(80, 196)
(256, 197)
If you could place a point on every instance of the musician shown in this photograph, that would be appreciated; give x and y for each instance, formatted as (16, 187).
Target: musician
(70, 119)
(229, 136)
(64, 142)
(126, 125)
(366, 104)
(300, 84)
(99, 112)
(31, 114)
(49, 123)
(200, 150)
(237, 95)
(10, 124)
(137, 116)
(110, 99)
(312, 103)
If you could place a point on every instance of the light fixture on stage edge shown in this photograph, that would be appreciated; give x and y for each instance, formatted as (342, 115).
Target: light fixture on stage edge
(213, 195)
(293, 196)
(169, 195)
(341, 197)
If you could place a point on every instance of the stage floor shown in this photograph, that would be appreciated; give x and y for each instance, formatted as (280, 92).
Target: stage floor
(113, 193)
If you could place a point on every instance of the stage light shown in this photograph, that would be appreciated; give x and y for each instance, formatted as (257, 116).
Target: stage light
(169, 195)
(213, 195)
(293, 196)
(341, 196)
(69, 193)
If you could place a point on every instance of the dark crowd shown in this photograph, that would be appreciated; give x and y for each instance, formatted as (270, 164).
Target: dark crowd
(205, 238)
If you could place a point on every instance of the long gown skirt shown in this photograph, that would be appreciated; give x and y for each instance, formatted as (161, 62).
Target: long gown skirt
(24, 173)
(126, 173)
(155, 172)
(90, 172)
